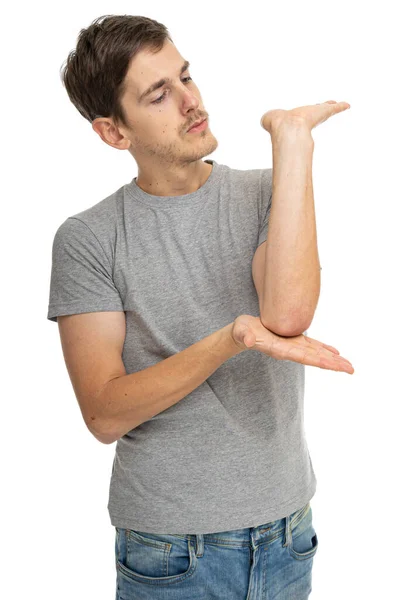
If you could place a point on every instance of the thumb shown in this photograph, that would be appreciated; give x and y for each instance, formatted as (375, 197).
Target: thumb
(242, 333)
(249, 338)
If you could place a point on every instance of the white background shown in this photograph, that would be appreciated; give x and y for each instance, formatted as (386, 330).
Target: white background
(57, 540)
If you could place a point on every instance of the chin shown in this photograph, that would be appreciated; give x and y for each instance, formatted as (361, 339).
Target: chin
(210, 144)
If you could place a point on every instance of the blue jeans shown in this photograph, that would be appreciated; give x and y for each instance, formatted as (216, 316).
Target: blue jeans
(269, 562)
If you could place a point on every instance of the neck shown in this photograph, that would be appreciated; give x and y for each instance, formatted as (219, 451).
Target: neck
(175, 181)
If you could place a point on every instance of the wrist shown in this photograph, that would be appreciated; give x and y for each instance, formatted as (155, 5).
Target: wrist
(232, 345)
(292, 130)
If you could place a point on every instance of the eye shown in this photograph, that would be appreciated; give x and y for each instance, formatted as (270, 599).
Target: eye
(161, 98)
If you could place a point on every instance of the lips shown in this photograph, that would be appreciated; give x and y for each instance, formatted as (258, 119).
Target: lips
(196, 124)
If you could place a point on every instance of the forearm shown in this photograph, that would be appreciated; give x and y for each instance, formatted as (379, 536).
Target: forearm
(292, 270)
(129, 400)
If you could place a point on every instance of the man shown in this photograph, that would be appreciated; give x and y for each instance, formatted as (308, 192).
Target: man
(182, 324)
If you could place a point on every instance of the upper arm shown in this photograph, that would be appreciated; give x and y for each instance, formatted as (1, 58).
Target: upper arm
(92, 345)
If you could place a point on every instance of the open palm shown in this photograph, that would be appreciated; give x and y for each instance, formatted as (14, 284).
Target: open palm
(310, 115)
(250, 334)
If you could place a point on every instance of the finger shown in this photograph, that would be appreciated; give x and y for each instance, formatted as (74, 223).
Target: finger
(343, 106)
(331, 348)
(340, 106)
(331, 355)
(336, 365)
(318, 343)
(316, 358)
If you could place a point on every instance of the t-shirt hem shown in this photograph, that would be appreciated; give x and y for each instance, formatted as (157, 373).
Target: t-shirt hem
(124, 521)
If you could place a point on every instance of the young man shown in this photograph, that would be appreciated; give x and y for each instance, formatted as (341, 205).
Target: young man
(181, 327)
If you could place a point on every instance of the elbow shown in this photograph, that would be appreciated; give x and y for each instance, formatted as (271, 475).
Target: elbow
(101, 433)
(294, 331)
(104, 439)
(98, 424)
(287, 328)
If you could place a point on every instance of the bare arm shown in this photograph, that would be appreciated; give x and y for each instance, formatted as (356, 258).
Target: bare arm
(113, 402)
(292, 270)
(126, 402)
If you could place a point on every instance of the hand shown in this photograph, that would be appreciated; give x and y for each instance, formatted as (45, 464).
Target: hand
(249, 333)
(303, 116)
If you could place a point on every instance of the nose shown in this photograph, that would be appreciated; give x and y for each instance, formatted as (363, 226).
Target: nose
(190, 100)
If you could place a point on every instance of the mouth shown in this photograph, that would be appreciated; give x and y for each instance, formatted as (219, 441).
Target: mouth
(198, 126)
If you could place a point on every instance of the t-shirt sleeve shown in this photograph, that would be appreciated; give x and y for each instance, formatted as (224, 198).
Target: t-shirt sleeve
(266, 197)
(81, 273)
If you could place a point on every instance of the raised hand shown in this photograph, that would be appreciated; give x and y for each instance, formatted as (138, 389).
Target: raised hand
(249, 333)
(308, 116)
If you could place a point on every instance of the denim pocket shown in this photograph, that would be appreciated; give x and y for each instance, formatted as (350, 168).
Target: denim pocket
(154, 558)
(304, 542)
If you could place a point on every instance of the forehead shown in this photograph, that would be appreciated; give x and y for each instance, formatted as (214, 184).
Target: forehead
(148, 67)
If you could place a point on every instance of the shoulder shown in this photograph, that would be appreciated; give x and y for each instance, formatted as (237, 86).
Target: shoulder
(257, 177)
(103, 214)
(98, 223)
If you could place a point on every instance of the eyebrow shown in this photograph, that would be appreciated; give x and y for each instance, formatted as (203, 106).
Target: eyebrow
(161, 82)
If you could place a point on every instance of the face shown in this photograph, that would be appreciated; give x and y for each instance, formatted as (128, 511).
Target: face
(159, 120)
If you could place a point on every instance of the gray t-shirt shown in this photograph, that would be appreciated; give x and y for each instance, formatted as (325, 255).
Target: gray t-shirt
(232, 453)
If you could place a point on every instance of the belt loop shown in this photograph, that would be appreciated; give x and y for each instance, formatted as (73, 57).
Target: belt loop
(288, 532)
(199, 544)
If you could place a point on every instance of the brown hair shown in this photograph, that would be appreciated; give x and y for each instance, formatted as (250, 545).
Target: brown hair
(94, 72)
